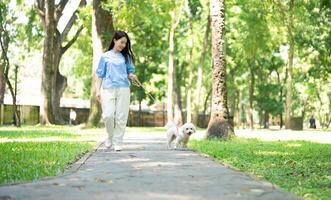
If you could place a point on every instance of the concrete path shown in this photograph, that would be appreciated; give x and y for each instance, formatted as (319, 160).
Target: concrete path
(144, 170)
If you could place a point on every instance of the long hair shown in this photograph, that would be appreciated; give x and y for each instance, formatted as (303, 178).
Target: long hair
(126, 52)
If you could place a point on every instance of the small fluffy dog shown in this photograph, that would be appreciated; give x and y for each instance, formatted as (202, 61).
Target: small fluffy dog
(180, 135)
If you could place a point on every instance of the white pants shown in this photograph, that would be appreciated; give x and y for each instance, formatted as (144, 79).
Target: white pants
(115, 109)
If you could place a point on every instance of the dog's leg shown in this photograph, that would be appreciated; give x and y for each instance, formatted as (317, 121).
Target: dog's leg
(177, 143)
(170, 139)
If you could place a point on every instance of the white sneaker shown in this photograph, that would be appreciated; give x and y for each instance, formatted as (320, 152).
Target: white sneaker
(107, 144)
(118, 148)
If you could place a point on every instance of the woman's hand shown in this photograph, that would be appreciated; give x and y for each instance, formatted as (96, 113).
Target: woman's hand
(98, 96)
(134, 79)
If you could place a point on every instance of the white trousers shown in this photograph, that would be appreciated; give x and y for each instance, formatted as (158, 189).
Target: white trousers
(115, 109)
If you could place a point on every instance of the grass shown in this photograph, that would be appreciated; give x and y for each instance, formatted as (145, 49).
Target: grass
(302, 168)
(30, 153)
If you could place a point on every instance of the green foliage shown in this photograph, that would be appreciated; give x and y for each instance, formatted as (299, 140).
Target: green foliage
(149, 41)
(303, 168)
(256, 36)
(267, 99)
(195, 9)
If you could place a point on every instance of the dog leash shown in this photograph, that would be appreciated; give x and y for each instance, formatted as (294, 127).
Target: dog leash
(137, 83)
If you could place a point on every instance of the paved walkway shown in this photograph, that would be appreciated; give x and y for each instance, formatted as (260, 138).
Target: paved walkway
(145, 169)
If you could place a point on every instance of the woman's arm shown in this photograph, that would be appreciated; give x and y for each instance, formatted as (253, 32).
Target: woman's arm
(98, 88)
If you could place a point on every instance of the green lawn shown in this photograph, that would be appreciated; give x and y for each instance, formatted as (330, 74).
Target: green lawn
(30, 153)
(303, 168)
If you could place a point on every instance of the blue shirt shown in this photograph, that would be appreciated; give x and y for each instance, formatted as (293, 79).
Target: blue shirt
(113, 70)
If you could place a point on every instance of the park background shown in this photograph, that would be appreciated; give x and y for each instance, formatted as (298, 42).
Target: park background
(277, 57)
(277, 67)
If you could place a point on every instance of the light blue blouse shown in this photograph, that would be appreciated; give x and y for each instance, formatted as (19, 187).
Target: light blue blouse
(113, 70)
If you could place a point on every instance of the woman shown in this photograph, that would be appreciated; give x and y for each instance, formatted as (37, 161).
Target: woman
(113, 87)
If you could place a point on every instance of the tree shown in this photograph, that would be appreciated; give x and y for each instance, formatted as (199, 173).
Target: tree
(4, 48)
(200, 72)
(5, 37)
(289, 86)
(219, 124)
(53, 82)
(102, 31)
(191, 7)
(175, 19)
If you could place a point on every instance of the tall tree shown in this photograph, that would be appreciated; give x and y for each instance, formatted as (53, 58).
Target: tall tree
(102, 31)
(53, 83)
(200, 72)
(5, 39)
(190, 64)
(289, 86)
(176, 14)
(219, 124)
(4, 47)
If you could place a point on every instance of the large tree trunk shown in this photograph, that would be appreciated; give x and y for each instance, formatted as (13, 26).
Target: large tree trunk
(53, 83)
(219, 124)
(102, 31)
(47, 77)
(290, 66)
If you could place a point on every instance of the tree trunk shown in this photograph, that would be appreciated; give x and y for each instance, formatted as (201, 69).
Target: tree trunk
(290, 66)
(47, 77)
(219, 124)
(102, 31)
(190, 65)
(60, 82)
(190, 79)
(281, 123)
(53, 83)
(178, 115)
(175, 19)
(5, 42)
(170, 96)
(206, 102)
(242, 116)
(2, 83)
(237, 108)
(251, 96)
(200, 72)
(266, 119)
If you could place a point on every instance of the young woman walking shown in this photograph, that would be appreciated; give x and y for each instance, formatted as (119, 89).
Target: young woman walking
(115, 68)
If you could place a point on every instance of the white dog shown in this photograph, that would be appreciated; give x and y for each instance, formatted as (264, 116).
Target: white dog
(180, 135)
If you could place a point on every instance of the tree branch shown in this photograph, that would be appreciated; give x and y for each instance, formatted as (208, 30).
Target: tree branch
(40, 7)
(282, 10)
(68, 45)
(71, 21)
(68, 26)
(59, 9)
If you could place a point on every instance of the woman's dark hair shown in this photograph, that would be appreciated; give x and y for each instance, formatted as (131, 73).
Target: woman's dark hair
(126, 52)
